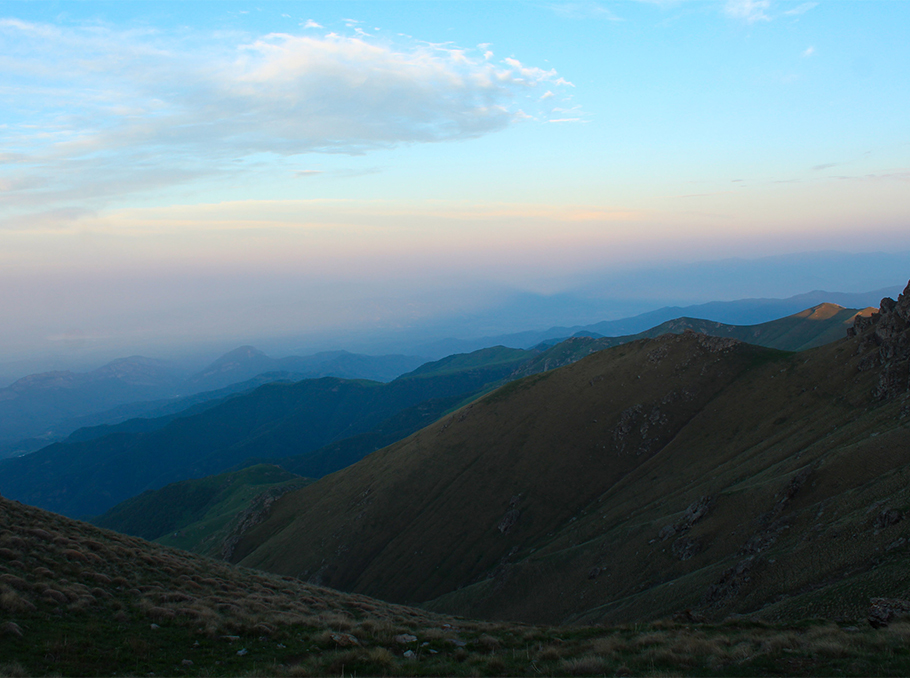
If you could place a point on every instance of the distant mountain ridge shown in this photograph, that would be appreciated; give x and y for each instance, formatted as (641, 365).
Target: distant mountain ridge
(247, 362)
(740, 312)
(50, 405)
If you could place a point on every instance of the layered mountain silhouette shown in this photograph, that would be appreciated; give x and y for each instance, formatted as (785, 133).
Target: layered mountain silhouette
(41, 408)
(684, 473)
(199, 442)
(90, 474)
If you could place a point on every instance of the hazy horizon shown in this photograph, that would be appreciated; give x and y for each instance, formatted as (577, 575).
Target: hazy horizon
(179, 177)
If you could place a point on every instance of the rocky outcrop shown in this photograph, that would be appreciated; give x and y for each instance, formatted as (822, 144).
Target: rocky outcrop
(882, 611)
(885, 339)
(259, 509)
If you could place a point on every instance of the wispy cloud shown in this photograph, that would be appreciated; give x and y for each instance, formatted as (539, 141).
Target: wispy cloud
(101, 113)
(801, 9)
(748, 10)
(809, 51)
(311, 24)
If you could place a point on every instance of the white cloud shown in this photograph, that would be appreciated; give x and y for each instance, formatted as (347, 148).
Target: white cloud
(102, 113)
(748, 10)
(801, 9)
(809, 51)
(311, 24)
(547, 95)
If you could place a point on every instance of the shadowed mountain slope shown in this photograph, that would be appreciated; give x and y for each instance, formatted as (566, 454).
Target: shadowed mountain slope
(682, 472)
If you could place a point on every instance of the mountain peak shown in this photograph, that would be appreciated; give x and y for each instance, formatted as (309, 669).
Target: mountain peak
(242, 353)
(822, 311)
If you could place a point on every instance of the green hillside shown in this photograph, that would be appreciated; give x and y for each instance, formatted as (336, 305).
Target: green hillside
(679, 473)
(199, 515)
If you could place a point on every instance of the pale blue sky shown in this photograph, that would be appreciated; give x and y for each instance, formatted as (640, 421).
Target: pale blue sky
(369, 156)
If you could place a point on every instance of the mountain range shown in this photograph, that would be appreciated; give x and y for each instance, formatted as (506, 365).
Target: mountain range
(810, 327)
(680, 473)
(41, 408)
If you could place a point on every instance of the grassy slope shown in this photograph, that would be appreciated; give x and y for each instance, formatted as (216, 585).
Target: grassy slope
(76, 600)
(207, 504)
(596, 459)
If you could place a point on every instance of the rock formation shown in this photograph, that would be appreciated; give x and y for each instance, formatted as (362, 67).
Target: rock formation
(885, 337)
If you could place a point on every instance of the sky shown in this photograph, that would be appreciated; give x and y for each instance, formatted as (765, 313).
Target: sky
(181, 173)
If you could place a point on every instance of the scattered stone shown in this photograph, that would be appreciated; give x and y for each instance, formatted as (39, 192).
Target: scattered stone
(887, 518)
(153, 627)
(231, 639)
(405, 638)
(281, 646)
(508, 521)
(187, 662)
(456, 642)
(433, 651)
(410, 655)
(685, 547)
(694, 513)
(345, 639)
(242, 652)
(593, 573)
(884, 610)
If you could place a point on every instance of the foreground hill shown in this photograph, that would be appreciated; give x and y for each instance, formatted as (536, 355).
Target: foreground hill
(81, 601)
(88, 476)
(679, 473)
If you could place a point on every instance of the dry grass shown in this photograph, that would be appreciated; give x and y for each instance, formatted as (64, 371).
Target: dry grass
(288, 626)
(585, 665)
